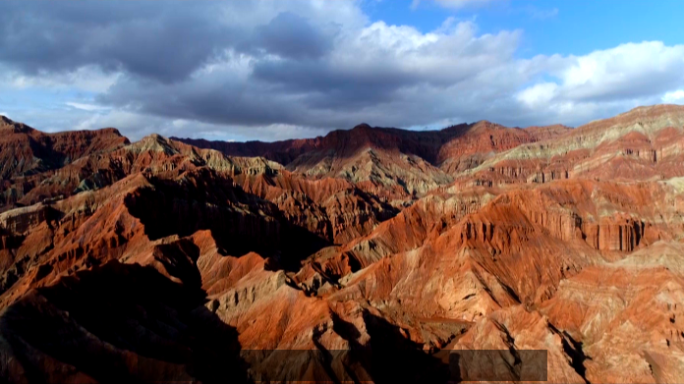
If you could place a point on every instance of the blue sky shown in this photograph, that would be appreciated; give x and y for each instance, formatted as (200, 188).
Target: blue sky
(550, 26)
(270, 70)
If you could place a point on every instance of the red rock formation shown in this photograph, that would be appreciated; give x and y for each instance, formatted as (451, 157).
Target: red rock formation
(378, 254)
(642, 144)
(395, 164)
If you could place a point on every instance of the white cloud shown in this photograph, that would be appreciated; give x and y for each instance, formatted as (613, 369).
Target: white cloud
(628, 69)
(606, 81)
(87, 107)
(538, 95)
(88, 78)
(675, 97)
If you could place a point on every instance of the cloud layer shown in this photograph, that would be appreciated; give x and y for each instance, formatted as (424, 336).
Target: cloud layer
(277, 69)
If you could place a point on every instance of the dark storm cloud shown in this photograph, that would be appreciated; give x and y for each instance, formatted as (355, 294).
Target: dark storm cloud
(325, 86)
(160, 41)
(247, 63)
(223, 101)
(292, 36)
(164, 41)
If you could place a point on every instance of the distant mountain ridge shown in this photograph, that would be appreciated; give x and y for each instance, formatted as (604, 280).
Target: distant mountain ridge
(426, 144)
(402, 162)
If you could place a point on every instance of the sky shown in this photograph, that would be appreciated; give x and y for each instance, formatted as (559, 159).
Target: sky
(278, 69)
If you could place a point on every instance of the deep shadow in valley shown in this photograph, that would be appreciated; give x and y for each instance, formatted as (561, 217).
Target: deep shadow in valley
(239, 221)
(390, 356)
(120, 323)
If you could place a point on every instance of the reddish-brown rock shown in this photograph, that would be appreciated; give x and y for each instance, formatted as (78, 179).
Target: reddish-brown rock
(375, 253)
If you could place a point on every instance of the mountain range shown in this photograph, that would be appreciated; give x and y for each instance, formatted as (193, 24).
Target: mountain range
(365, 254)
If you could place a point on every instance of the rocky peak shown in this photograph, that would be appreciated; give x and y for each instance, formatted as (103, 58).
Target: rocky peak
(8, 125)
(111, 131)
(362, 127)
(155, 143)
(648, 119)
